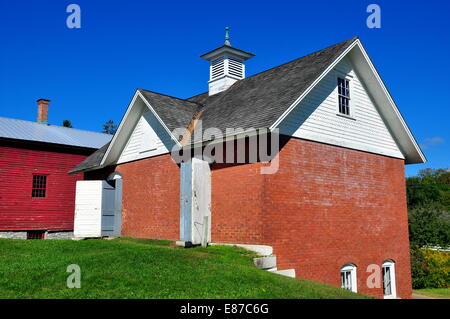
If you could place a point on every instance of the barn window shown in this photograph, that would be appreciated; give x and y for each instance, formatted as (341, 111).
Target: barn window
(39, 186)
(344, 96)
(389, 289)
(348, 277)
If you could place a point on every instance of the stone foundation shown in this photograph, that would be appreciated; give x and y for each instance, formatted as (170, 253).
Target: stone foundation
(13, 234)
(59, 235)
(48, 234)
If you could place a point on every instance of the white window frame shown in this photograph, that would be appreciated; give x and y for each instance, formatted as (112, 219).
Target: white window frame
(349, 78)
(389, 264)
(351, 268)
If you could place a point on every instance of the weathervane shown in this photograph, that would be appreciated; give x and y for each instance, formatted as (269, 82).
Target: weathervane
(227, 36)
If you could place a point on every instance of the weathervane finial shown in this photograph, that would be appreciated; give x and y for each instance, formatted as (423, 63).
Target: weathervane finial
(227, 36)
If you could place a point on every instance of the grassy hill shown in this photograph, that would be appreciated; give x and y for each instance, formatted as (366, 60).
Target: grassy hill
(142, 268)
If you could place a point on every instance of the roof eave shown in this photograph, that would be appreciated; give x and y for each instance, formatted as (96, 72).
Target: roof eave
(227, 49)
(413, 154)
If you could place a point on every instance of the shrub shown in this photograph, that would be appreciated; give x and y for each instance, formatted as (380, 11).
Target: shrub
(430, 268)
(419, 268)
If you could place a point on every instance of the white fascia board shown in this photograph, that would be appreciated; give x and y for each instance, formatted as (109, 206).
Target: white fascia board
(392, 103)
(159, 119)
(121, 128)
(309, 89)
(357, 43)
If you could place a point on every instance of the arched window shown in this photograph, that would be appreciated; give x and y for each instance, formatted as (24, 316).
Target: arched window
(389, 287)
(348, 277)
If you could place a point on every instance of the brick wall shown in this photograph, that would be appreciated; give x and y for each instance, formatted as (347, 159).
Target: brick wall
(328, 206)
(237, 203)
(150, 197)
(325, 207)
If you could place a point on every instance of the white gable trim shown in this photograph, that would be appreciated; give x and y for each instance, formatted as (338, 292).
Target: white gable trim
(396, 124)
(393, 106)
(159, 119)
(316, 81)
(148, 139)
(125, 129)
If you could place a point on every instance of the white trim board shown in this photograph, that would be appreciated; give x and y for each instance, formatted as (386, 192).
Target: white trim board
(317, 116)
(384, 102)
(134, 112)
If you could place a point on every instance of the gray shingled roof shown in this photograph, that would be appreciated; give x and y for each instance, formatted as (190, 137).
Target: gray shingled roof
(91, 161)
(254, 102)
(173, 111)
(258, 101)
(33, 131)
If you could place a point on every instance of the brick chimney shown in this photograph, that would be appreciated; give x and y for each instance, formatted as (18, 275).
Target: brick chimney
(42, 117)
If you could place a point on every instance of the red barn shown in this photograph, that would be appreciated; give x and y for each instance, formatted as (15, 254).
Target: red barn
(330, 199)
(36, 192)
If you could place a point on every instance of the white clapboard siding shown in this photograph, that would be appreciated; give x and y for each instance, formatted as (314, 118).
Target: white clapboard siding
(315, 118)
(148, 139)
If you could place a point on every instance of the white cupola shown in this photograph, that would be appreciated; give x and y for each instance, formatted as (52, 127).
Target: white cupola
(227, 66)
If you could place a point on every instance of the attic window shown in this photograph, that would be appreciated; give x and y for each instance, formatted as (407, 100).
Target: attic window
(344, 96)
(39, 186)
(217, 68)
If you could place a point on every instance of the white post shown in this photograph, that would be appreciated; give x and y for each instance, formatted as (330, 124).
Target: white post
(205, 238)
(201, 201)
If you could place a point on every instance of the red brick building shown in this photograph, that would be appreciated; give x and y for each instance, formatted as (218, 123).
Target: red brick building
(36, 192)
(330, 199)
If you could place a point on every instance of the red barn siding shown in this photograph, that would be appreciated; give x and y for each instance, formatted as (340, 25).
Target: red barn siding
(18, 210)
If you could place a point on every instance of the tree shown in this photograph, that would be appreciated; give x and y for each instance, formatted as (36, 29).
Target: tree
(429, 208)
(109, 127)
(67, 123)
(429, 225)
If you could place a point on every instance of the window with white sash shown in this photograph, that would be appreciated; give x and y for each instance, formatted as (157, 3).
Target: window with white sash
(344, 96)
(348, 277)
(389, 287)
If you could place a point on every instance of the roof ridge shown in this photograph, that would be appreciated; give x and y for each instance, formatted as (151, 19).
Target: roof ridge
(74, 128)
(188, 98)
(288, 62)
(51, 125)
(285, 63)
(171, 96)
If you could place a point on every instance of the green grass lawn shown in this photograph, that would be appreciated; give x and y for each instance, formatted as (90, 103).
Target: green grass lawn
(140, 268)
(440, 293)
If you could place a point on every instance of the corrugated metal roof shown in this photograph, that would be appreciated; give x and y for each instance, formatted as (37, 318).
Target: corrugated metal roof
(32, 131)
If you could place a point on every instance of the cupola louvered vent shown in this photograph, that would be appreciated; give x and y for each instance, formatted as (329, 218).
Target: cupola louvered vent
(236, 68)
(227, 66)
(217, 68)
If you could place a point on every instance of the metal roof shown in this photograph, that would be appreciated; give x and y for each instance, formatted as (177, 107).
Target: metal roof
(32, 131)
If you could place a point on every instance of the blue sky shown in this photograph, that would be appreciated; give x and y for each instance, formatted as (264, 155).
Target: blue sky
(90, 74)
